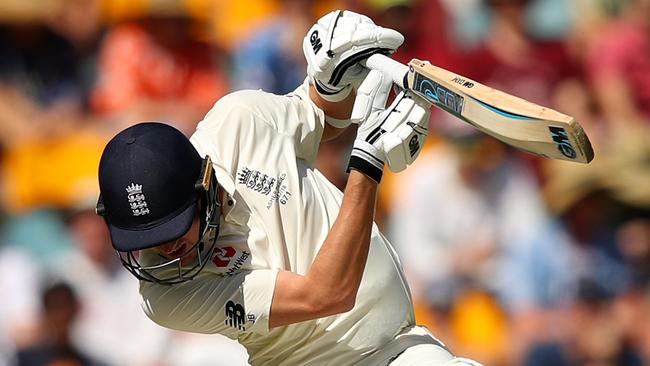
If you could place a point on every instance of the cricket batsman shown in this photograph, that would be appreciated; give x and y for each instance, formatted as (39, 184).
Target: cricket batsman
(232, 231)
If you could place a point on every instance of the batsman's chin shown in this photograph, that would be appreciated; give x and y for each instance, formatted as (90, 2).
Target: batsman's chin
(187, 257)
(184, 257)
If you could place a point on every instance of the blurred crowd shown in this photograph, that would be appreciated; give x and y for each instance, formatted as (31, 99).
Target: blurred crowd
(512, 259)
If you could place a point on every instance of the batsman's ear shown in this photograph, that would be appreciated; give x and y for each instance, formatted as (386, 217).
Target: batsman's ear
(100, 209)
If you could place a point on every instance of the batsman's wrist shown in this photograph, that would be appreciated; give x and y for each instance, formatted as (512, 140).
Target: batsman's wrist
(332, 94)
(366, 159)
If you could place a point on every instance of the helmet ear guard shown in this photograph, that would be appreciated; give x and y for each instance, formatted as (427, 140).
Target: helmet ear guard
(203, 183)
(100, 209)
(206, 188)
(210, 204)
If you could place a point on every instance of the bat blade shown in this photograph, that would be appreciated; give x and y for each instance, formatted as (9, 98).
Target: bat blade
(512, 120)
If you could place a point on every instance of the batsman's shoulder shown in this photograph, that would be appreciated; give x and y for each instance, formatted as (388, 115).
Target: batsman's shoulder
(255, 106)
(257, 102)
(234, 107)
(245, 99)
(244, 96)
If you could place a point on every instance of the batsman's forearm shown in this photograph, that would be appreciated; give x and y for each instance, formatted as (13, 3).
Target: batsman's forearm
(339, 265)
(338, 110)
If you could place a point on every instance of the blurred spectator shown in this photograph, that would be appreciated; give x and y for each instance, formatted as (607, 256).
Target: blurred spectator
(632, 309)
(233, 21)
(44, 65)
(46, 72)
(157, 69)
(594, 337)
(49, 64)
(52, 169)
(425, 26)
(512, 60)
(458, 215)
(605, 206)
(17, 11)
(20, 280)
(40, 233)
(271, 57)
(618, 63)
(55, 348)
(633, 240)
(109, 297)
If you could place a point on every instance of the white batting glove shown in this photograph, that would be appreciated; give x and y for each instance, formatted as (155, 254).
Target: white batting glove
(395, 134)
(403, 145)
(336, 44)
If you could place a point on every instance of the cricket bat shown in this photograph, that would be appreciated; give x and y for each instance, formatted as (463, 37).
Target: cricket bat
(512, 120)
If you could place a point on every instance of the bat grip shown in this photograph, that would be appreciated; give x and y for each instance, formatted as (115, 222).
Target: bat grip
(395, 70)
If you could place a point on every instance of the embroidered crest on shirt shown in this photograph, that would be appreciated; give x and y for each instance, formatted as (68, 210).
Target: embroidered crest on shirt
(265, 185)
(137, 200)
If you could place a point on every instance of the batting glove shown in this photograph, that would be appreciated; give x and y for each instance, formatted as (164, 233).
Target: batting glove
(336, 44)
(395, 134)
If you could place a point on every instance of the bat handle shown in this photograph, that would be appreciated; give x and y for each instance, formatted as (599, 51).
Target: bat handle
(395, 70)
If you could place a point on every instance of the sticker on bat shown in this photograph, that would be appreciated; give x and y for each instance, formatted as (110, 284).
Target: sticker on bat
(561, 139)
(438, 94)
(460, 81)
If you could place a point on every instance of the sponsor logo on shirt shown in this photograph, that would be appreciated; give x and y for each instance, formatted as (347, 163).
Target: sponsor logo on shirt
(265, 185)
(238, 263)
(235, 315)
(222, 256)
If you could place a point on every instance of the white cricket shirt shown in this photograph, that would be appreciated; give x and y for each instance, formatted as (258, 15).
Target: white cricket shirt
(262, 146)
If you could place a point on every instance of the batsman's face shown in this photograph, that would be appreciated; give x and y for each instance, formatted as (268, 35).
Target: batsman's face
(183, 247)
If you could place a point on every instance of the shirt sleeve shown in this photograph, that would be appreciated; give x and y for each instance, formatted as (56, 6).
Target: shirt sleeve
(261, 114)
(228, 305)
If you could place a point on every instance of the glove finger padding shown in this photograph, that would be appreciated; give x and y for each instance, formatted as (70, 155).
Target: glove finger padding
(371, 96)
(395, 134)
(403, 145)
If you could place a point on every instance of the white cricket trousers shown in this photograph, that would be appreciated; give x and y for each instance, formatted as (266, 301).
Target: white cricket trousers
(430, 355)
(420, 348)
